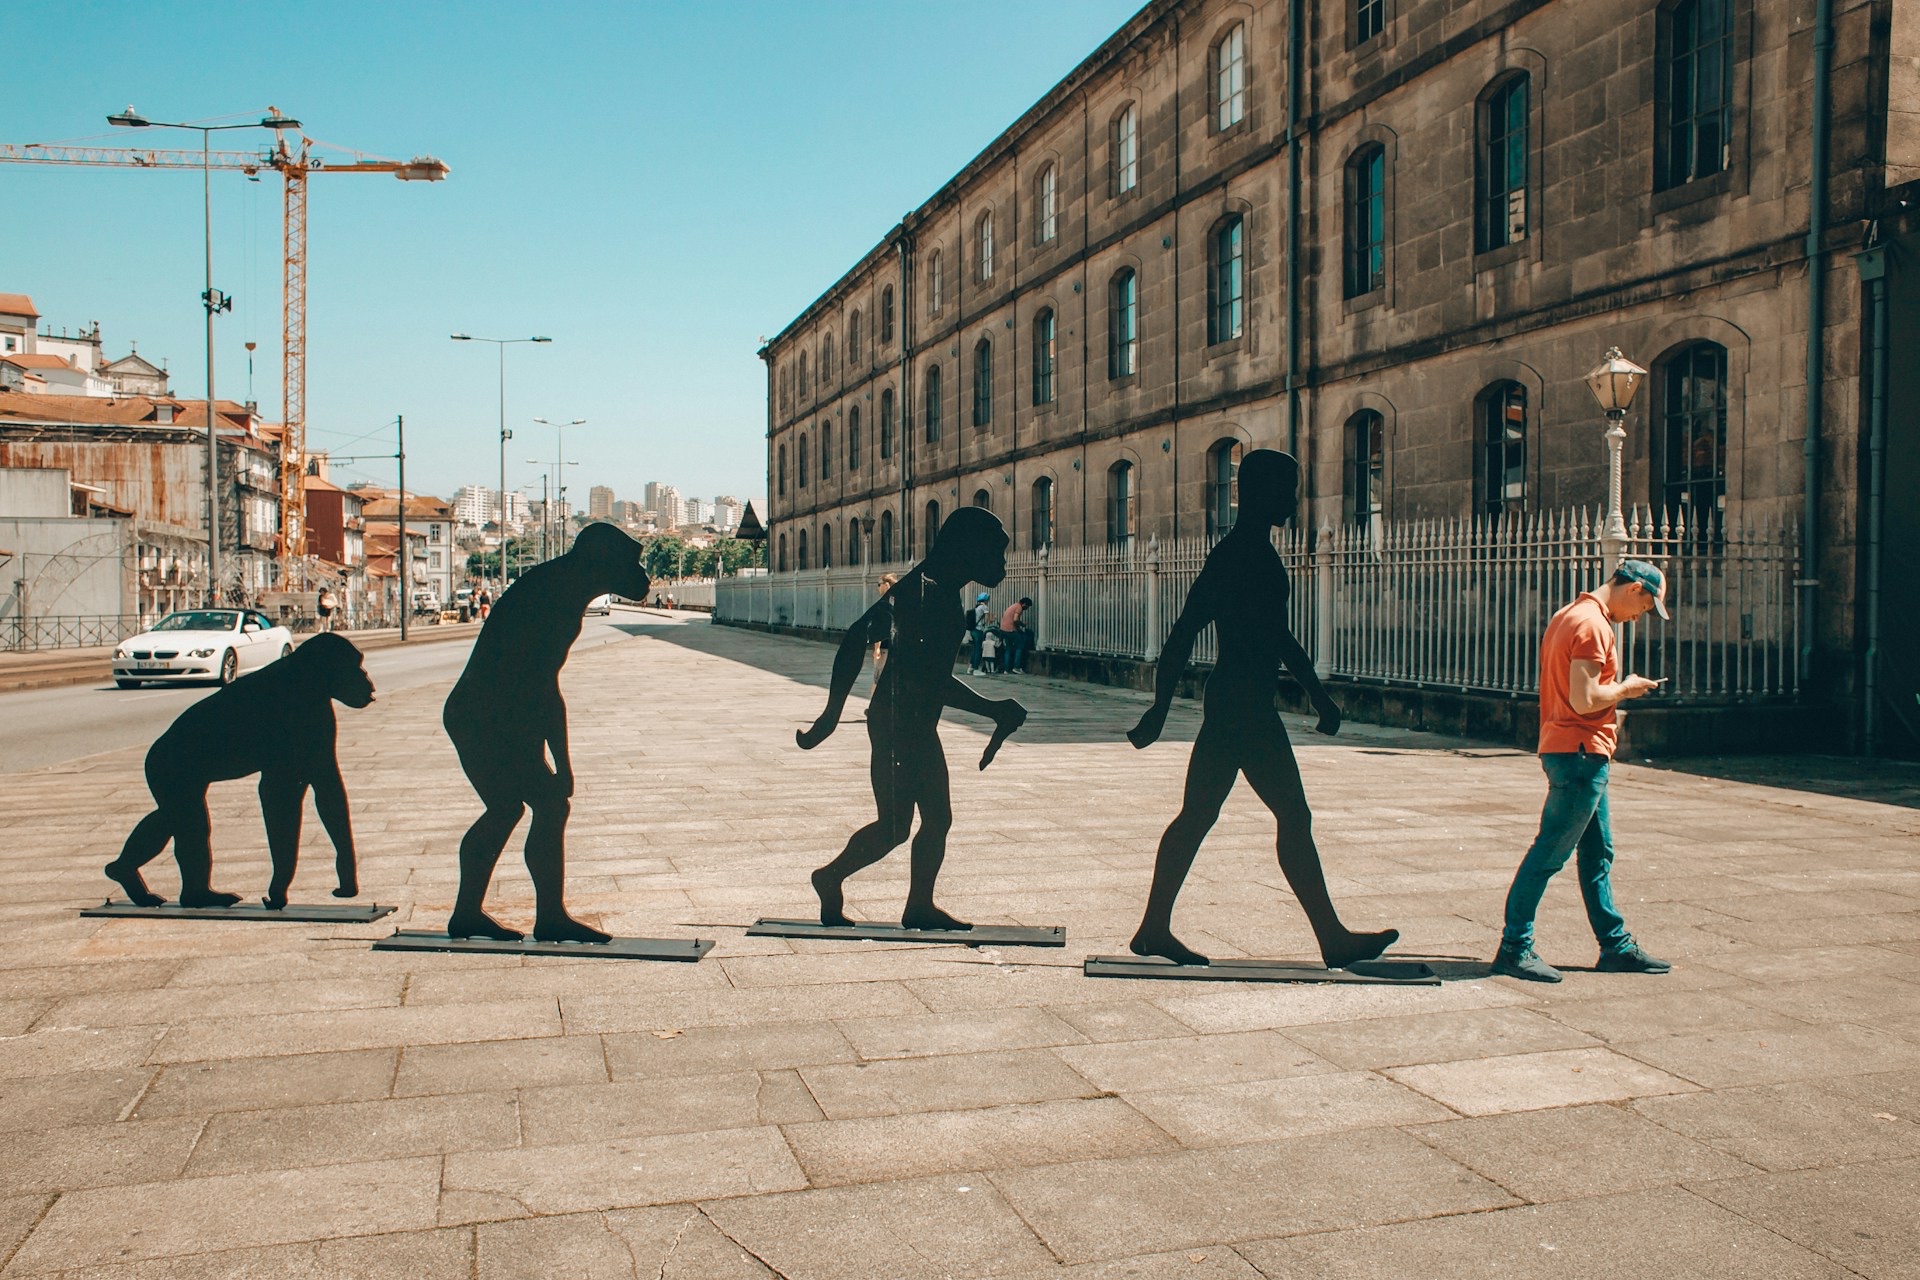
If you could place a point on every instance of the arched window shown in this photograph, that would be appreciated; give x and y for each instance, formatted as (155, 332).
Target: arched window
(1693, 94)
(853, 543)
(806, 386)
(1366, 230)
(853, 341)
(1123, 324)
(826, 450)
(983, 383)
(1230, 78)
(932, 414)
(886, 424)
(886, 537)
(1690, 447)
(1363, 479)
(1223, 467)
(783, 553)
(827, 364)
(936, 282)
(1043, 356)
(1227, 282)
(1120, 504)
(886, 314)
(983, 499)
(1501, 477)
(783, 471)
(1046, 206)
(1369, 19)
(801, 563)
(1503, 163)
(1041, 522)
(826, 546)
(801, 469)
(933, 525)
(853, 438)
(983, 244)
(786, 391)
(1126, 150)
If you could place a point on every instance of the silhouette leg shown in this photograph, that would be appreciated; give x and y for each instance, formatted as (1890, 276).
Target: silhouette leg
(281, 799)
(894, 803)
(148, 838)
(1275, 777)
(479, 851)
(193, 851)
(928, 772)
(1211, 772)
(547, 865)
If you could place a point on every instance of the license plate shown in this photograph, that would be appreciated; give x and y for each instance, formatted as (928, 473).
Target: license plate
(152, 666)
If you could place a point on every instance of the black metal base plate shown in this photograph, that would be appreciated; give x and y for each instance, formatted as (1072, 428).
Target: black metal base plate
(1400, 973)
(981, 935)
(683, 949)
(292, 913)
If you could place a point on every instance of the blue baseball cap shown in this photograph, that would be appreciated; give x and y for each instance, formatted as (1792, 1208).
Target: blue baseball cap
(979, 598)
(1639, 571)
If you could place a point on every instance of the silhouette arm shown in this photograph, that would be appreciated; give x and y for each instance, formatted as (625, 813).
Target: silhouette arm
(1300, 667)
(847, 662)
(1195, 614)
(556, 736)
(1006, 714)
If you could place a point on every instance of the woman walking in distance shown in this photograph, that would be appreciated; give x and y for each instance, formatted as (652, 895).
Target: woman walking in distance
(1243, 591)
(921, 621)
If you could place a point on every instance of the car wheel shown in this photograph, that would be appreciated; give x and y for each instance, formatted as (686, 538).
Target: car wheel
(286, 651)
(229, 666)
(127, 684)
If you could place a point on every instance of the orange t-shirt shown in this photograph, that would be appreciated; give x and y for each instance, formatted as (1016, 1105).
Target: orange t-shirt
(1581, 632)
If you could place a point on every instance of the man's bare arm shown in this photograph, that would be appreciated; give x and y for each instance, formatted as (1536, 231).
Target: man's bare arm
(1194, 616)
(847, 662)
(1006, 714)
(1300, 667)
(1589, 693)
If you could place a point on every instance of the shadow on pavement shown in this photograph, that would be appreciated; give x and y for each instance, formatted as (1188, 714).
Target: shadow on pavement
(1895, 782)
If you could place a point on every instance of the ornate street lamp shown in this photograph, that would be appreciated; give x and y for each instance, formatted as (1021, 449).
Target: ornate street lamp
(1613, 383)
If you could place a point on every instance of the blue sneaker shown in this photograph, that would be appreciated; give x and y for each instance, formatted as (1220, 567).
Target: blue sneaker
(1631, 958)
(1522, 963)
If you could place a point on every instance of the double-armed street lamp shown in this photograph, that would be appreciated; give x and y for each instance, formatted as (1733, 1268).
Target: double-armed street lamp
(559, 470)
(1613, 383)
(505, 435)
(212, 298)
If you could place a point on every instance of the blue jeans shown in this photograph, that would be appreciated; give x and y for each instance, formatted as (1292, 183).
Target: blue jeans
(978, 637)
(1575, 816)
(1019, 644)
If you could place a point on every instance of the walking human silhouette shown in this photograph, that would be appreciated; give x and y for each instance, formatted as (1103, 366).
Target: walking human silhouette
(921, 621)
(276, 722)
(1243, 591)
(506, 718)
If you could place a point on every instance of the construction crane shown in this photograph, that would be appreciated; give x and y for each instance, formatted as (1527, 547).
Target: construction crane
(295, 167)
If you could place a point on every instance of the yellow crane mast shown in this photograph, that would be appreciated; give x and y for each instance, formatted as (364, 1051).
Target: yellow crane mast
(294, 167)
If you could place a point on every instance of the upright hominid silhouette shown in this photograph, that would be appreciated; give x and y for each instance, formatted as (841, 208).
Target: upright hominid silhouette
(921, 622)
(1242, 591)
(505, 716)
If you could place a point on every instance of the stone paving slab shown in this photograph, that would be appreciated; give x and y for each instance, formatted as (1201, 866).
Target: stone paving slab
(185, 1099)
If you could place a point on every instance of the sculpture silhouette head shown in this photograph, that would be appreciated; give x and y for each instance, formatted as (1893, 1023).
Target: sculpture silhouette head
(609, 562)
(970, 547)
(1269, 488)
(333, 661)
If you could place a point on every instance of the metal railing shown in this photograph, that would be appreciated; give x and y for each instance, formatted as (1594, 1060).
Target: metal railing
(1456, 604)
(65, 631)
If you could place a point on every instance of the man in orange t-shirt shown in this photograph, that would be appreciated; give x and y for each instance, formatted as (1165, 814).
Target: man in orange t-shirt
(1580, 687)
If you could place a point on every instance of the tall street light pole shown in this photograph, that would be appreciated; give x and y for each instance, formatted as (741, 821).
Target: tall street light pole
(214, 301)
(559, 468)
(505, 435)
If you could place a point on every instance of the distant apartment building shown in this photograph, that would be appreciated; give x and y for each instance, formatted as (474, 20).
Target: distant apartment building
(442, 565)
(600, 503)
(726, 512)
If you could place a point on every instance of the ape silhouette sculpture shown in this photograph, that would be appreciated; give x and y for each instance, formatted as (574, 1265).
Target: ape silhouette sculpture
(276, 722)
(505, 716)
(921, 621)
(1243, 591)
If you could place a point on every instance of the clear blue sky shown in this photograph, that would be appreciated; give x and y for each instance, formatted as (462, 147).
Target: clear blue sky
(653, 185)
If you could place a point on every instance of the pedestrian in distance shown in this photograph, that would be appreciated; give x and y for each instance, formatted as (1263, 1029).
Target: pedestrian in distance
(325, 604)
(506, 718)
(485, 599)
(1018, 636)
(922, 620)
(978, 620)
(1580, 692)
(1242, 590)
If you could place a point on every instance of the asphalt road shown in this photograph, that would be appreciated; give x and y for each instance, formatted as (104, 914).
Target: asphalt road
(42, 727)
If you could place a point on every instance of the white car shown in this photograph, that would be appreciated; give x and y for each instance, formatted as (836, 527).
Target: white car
(599, 607)
(200, 644)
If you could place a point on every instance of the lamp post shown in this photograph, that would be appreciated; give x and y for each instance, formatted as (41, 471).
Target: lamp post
(559, 468)
(505, 435)
(1613, 383)
(213, 300)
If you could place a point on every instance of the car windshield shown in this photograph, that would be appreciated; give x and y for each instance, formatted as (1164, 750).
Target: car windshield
(198, 620)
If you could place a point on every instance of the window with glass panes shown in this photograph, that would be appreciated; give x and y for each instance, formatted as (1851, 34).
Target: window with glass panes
(1230, 78)
(1043, 356)
(853, 341)
(936, 282)
(1369, 19)
(1696, 77)
(886, 314)
(1363, 481)
(932, 413)
(1123, 324)
(1503, 449)
(1046, 206)
(853, 438)
(801, 563)
(783, 470)
(886, 537)
(1226, 283)
(826, 450)
(983, 499)
(1366, 240)
(983, 234)
(1223, 467)
(933, 526)
(1040, 522)
(1126, 150)
(826, 546)
(886, 424)
(983, 383)
(1690, 460)
(853, 543)
(801, 468)
(1120, 503)
(1503, 164)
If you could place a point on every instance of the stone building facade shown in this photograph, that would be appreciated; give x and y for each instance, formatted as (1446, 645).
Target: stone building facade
(1392, 243)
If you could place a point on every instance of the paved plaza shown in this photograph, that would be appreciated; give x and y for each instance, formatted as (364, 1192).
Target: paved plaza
(219, 1101)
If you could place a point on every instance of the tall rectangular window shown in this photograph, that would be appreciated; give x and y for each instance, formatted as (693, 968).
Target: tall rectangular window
(1369, 19)
(1230, 78)
(1043, 357)
(936, 282)
(1041, 522)
(932, 414)
(886, 424)
(1227, 283)
(1366, 238)
(1120, 504)
(1046, 199)
(985, 235)
(1690, 464)
(1503, 449)
(1123, 324)
(1126, 151)
(1503, 164)
(1695, 67)
(1364, 486)
(983, 383)
(886, 314)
